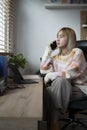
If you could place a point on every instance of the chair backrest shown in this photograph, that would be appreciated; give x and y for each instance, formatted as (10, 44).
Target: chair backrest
(82, 44)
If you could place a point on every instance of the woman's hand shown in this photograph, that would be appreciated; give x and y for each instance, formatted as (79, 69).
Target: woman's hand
(50, 76)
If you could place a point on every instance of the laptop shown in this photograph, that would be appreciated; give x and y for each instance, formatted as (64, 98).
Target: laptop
(18, 78)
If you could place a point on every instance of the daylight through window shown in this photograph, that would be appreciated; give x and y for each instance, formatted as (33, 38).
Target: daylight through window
(7, 26)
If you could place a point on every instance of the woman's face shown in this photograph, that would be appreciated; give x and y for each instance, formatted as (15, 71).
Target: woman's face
(62, 40)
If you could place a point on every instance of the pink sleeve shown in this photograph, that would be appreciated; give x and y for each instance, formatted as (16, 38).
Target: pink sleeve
(77, 66)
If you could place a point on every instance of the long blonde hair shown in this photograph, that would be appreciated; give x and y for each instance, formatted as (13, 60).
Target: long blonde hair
(71, 35)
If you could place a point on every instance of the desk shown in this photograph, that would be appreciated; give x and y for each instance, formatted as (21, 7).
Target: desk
(21, 108)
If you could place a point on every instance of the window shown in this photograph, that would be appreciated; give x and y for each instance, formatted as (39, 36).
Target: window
(6, 26)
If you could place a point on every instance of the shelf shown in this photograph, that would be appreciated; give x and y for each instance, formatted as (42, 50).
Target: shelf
(84, 25)
(65, 6)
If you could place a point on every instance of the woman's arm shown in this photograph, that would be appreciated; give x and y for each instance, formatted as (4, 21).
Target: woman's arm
(74, 69)
(77, 66)
(46, 62)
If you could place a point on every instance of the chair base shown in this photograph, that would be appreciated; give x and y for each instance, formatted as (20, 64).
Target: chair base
(73, 121)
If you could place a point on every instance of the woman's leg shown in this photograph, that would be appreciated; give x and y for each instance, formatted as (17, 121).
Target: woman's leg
(60, 93)
(47, 106)
(56, 97)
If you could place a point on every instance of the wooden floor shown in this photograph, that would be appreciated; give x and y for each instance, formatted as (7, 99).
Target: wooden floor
(12, 123)
(21, 108)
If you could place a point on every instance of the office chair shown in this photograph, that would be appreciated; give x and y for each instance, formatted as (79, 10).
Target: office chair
(77, 106)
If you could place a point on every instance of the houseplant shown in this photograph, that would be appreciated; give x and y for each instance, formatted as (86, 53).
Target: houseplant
(18, 60)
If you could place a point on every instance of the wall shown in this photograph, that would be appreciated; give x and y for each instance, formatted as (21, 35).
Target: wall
(37, 26)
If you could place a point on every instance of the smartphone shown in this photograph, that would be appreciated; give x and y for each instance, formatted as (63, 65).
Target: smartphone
(53, 45)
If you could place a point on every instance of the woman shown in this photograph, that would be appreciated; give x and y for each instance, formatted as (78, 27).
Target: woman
(67, 70)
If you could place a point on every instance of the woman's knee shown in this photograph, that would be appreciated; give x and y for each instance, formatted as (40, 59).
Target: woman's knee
(61, 80)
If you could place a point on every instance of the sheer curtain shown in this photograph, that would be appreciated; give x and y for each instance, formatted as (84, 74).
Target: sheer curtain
(7, 42)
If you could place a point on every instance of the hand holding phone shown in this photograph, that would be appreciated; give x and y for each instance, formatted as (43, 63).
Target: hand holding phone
(53, 45)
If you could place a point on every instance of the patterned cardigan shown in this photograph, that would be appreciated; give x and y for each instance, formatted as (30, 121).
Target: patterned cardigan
(72, 66)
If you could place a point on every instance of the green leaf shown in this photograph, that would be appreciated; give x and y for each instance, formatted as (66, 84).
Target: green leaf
(18, 60)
